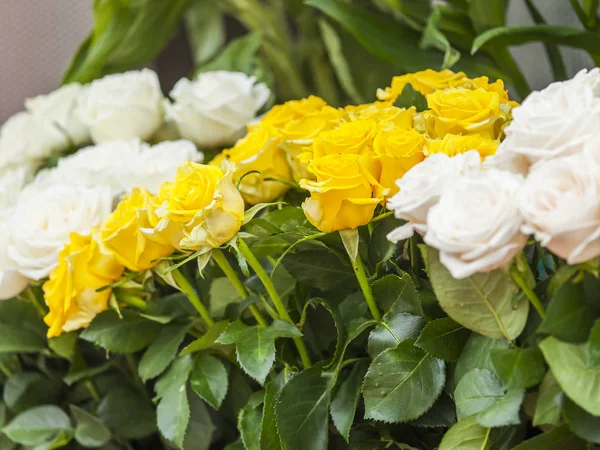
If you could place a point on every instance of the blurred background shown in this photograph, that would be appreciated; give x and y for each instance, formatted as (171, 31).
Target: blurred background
(39, 37)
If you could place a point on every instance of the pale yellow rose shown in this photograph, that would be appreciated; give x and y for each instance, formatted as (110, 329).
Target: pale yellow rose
(462, 111)
(71, 291)
(262, 173)
(452, 145)
(280, 115)
(201, 205)
(384, 115)
(344, 194)
(122, 233)
(398, 151)
(425, 82)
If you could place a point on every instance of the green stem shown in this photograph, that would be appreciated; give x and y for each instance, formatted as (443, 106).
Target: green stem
(233, 277)
(91, 387)
(130, 299)
(270, 287)
(5, 370)
(30, 295)
(361, 276)
(531, 295)
(189, 291)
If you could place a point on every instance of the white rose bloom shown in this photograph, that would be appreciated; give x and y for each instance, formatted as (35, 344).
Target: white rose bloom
(60, 109)
(476, 225)
(26, 139)
(214, 109)
(422, 186)
(123, 106)
(11, 183)
(556, 121)
(43, 219)
(560, 203)
(159, 163)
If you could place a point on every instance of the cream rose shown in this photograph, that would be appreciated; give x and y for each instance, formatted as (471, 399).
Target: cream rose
(59, 108)
(43, 219)
(213, 109)
(476, 225)
(561, 208)
(123, 106)
(422, 186)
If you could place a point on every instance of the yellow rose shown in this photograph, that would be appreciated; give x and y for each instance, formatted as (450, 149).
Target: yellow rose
(344, 194)
(453, 144)
(258, 156)
(280, 115)
(425, 82)
(462, 111)
(201, 205)
(383, 114)
(70, 292)
(397, 151)
(122, 233)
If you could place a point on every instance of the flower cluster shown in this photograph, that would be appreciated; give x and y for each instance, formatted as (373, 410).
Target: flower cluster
(543, 180)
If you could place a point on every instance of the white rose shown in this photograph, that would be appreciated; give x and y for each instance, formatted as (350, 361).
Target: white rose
(43, 220)
(113, 163)
(12, 182)
(476, 225)
(560, 203)
(60, 109)
(26, 139)
(556, 121)
(421, 187)
(123, 106)
(159, 163)
(213, 109)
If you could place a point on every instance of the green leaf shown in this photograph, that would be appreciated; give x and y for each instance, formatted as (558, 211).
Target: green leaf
(402, 384)
(443, 339)
(127, 335)
(582, 423)
(519, 367)
(394, 330)
(269, 436)
(345, 402)
(207, 340)
(504, 411)
(333, 45)
(380, 248)
(466, 435)
(209, 379)
(255, 345)
(90, 431)
(303, 411)
(64, 345)
(162, 351)
(553, 34)
(115, 410)
(14, 338)
(239, 56)
(411, 97)
(441, 414)
(321, 268)
(477, 355)
(24, 390)
(569, 317)
(433, 37)
(199, 434)
(173, 410)
(477, 390)
(205, 28)
(547, 406)
(594, 344)
(37, 425)
(249, 422)
(558, 438)
(397, 294)
(486, 14)
(484, 302)
(569, 364)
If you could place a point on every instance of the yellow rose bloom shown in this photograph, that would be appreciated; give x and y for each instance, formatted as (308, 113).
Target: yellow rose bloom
(462, 111)
(453, 144)
(344, 194)
(280, 115)
(70, 292)
(397, 151)
(202, 204)
(258, 156)
(384, 115)
(122, 233)
(425, 82)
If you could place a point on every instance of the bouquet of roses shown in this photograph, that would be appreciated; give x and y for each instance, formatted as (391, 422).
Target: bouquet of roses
(417, 272)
